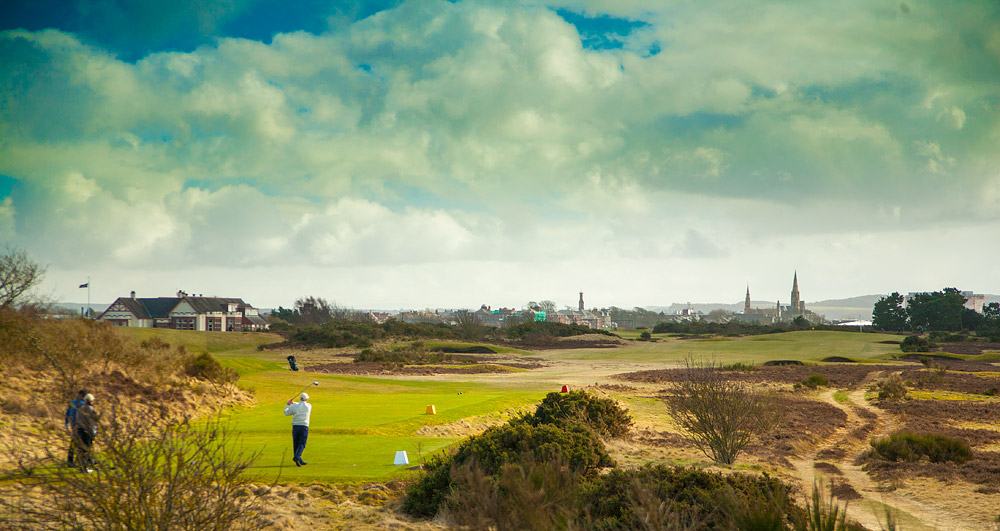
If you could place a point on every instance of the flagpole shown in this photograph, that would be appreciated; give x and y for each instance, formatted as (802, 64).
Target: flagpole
(89, 312)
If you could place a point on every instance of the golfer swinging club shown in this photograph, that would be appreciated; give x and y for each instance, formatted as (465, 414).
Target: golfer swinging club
(300, 425)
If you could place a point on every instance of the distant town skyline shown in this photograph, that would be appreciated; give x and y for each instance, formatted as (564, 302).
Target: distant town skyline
(426, 153)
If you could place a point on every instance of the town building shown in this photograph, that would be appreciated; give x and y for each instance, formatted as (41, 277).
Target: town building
(184, 312)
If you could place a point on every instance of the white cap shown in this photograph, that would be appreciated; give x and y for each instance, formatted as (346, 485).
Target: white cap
(304, 396)
(88, 398)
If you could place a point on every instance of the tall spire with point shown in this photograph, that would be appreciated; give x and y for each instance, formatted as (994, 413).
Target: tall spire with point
(796, 306)
(746, 303)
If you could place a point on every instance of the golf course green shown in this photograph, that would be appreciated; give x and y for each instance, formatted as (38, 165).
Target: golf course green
(359, 422)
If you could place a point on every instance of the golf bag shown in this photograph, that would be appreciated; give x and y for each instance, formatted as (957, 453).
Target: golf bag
(291, 363)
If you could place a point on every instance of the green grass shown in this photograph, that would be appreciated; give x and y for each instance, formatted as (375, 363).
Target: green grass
(358, 423)
(805, 345)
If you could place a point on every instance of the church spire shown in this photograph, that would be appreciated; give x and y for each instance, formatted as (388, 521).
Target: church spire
(796, 305)
(746, 303)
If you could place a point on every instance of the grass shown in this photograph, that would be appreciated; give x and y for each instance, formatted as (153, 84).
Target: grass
(841, 397)
(805, 345)
(211, 342)
(947, 395)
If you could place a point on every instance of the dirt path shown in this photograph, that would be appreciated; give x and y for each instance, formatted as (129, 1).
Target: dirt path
(842, 449)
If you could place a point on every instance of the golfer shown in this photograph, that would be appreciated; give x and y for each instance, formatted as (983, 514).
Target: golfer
(86, 429)
(300, 425)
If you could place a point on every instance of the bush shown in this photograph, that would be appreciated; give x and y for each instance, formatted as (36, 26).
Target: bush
(645, 336)
(704, 500)
(915, 344)
(603, 415)
(205, 367)
(154, 472)
(910, 446)
(565, 427)
(574, 443)
(814, 381)
(891, 388)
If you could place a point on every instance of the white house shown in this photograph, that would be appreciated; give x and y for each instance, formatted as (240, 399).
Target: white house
(184, 312)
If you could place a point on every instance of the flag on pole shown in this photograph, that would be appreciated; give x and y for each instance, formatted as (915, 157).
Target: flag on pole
(85, 285)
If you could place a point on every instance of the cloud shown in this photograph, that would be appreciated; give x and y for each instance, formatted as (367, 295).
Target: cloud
(445, 133)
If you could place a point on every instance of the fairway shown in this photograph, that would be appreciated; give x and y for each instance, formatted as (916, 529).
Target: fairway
(804, 345)
(358, 423)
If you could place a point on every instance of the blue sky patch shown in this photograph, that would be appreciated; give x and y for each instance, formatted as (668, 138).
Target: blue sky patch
(602, 32)
(7, 185)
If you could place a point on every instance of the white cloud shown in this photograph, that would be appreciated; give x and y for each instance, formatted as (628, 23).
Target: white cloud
(439, 134)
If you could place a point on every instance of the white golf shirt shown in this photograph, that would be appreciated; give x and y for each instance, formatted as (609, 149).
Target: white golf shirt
(299, 412)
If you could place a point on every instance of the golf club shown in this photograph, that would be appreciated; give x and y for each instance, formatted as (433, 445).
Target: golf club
(303, 389)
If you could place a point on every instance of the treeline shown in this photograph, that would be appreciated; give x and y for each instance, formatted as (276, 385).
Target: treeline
(942, 311)
(339, 333)
(739, 328)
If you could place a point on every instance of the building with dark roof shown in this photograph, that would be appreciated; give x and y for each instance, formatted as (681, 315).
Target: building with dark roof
(185, 312)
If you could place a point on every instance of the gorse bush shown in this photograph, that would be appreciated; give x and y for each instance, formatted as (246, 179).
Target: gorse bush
(602, 415)
(205, 367)
(711, 501)
(891, 388)
(814, 381)
(915, 344)
(910, 446)
(564, 427)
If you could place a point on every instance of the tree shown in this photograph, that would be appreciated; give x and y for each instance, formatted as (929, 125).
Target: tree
(548, 306)
(720, 416)
(18, 275)
(889, 314)
(939, 310)
(991, 322)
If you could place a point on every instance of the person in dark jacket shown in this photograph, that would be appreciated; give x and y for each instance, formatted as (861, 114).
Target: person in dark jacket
(86, 429)
(71, 424)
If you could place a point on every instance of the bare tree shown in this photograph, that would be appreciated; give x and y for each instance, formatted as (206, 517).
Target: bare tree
(721, 416)
(18, 274)
(314, 310)
(151, 472)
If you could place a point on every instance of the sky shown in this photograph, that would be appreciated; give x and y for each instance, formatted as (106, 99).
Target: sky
(426, 153)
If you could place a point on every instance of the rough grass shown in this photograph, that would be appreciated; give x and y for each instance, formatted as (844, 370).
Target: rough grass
(195, 342)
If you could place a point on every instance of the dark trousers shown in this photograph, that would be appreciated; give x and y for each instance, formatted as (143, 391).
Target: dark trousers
(84, 444)
(73, 443)
(299, 436)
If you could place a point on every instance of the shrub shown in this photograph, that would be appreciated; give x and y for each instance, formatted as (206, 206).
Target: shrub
(645, 336)
(603, 415)
(205, 367)
(814, 381)
(891, 388)
(915, 344)
(910, 446)
(564, 427)
(704, 499)
(154, 472)
(721, 417)
(574, 443)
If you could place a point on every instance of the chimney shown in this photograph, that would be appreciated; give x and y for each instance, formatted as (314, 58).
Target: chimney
(133, 294)
(581, 301)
